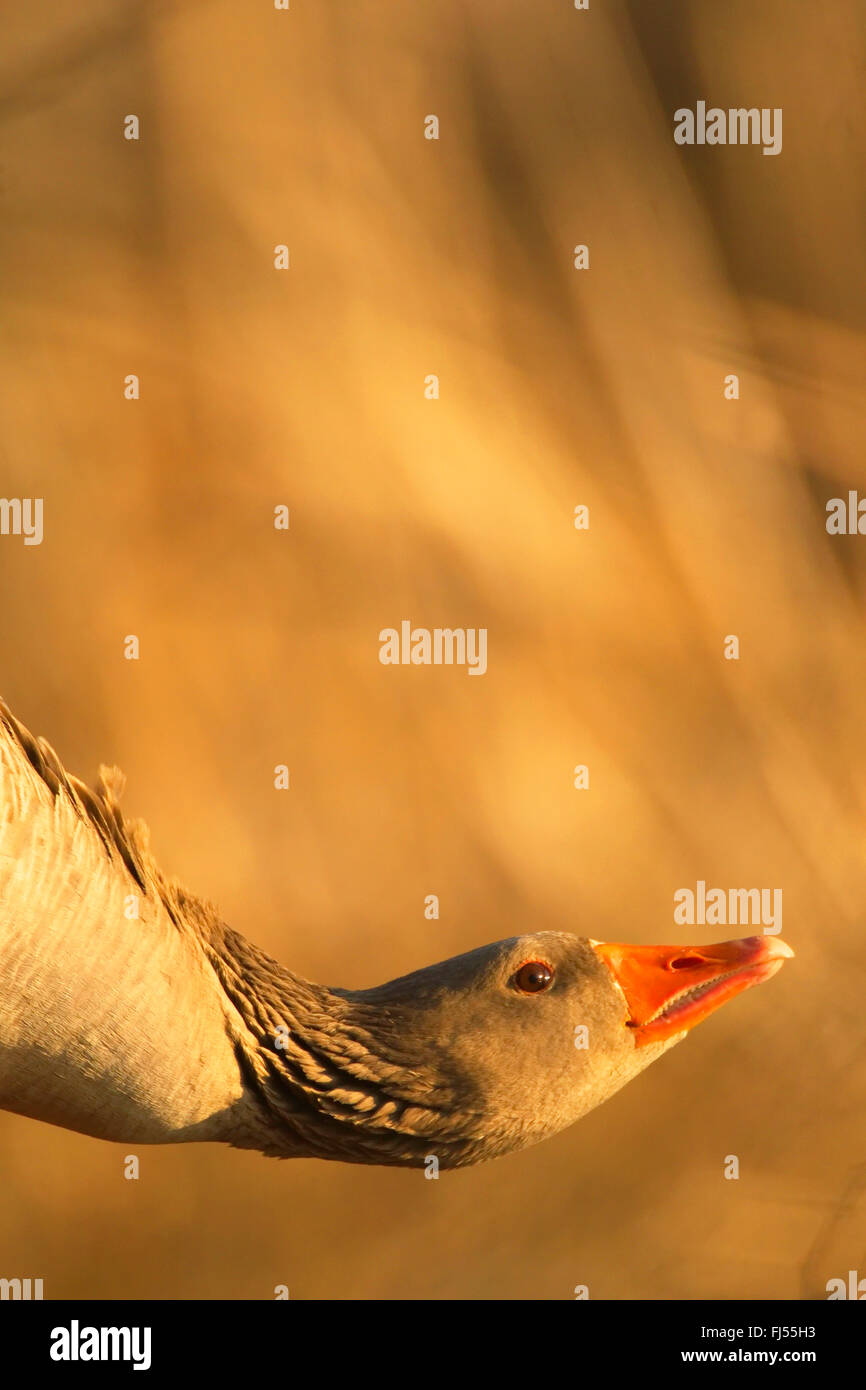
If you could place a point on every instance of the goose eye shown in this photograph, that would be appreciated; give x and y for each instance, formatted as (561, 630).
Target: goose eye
(533, 977)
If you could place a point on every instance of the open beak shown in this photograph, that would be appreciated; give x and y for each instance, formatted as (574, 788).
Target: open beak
(668, 989)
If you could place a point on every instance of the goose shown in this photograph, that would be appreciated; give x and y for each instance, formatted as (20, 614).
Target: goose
(130, 1012)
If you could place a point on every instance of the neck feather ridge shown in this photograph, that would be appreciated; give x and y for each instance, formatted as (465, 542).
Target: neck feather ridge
(333, 1075)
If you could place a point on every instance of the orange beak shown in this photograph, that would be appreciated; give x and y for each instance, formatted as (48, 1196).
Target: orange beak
(668, 989)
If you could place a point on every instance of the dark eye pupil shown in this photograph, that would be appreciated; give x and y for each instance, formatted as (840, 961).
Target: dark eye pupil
(533, 977)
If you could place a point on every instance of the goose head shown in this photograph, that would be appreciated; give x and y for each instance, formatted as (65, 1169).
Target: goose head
(500, 1048)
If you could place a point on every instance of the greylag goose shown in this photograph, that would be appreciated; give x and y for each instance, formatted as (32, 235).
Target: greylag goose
(129, 1011)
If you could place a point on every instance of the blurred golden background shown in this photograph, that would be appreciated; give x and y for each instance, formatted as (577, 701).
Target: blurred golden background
(559, 387)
